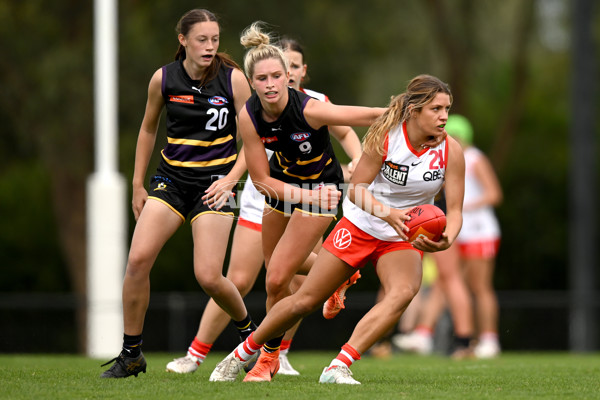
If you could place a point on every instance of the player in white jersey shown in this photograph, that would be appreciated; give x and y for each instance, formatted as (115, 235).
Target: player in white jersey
(473, 254)
(406, 158)
(246, 257)
(479, 238)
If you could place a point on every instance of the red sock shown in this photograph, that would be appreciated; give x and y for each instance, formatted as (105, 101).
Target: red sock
(285, 346)
(247, 348)
(424, 330)
(346, 357)
(199, 350)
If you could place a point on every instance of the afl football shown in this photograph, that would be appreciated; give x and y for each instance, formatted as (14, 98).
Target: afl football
(426, 220)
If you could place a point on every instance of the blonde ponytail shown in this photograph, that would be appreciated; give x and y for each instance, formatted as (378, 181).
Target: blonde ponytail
(259, 48)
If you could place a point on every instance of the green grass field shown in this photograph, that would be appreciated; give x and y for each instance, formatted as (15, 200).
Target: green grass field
(512, 376)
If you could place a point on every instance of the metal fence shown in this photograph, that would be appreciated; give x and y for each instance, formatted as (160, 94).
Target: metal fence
(46, 323)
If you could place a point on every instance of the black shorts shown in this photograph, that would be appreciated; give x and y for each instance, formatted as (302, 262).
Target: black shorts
(185, 198)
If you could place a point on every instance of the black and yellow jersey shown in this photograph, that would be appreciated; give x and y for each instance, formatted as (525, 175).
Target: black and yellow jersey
(302, 155)
(201, 123)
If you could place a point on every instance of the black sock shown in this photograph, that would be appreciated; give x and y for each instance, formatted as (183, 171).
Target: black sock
(245, 327)
(273, 344)
(462, 341)
(132, 345)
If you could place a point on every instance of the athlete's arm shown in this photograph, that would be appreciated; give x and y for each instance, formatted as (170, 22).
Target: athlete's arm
(241, 94)
(146, 141)
(491, 193)
(241, 89)
(455, 192)
(220, 190)
(318, 113)
(349, 141)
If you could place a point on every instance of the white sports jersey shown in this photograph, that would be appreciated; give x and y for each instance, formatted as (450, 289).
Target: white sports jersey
(408, 178)
(481, 223)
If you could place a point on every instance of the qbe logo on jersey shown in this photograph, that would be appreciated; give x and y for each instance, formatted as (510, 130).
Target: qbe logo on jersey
(342, 239)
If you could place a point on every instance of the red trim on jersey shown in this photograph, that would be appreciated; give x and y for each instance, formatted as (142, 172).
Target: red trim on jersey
(412, 149)
(446, 153)
(249, 224)
(386, 145)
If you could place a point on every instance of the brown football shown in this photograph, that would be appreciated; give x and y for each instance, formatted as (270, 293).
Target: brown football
(426, 220)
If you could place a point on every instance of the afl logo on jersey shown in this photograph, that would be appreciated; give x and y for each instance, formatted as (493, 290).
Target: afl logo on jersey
(300, 136)
(395, 173)
(217, 101)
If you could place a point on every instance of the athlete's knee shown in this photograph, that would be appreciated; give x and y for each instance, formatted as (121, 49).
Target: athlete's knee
(243, 282)
(304, 305)
(210, 282)
(399, 298)
(139, 264)
(276, 284)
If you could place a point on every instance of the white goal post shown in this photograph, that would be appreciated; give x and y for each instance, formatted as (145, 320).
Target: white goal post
(106, 197)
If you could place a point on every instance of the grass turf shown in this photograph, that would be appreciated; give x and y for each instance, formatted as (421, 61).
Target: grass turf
(512, 376)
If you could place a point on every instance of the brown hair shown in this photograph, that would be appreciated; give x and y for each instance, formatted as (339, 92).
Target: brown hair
(185, 24)
(259, 48)
(420, 91)
(288, 44)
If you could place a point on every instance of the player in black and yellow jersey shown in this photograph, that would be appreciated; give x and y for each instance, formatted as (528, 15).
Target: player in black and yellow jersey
(202, 91)
(300, 181)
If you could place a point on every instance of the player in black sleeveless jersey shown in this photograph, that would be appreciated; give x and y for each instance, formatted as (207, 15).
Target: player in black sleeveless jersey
(202, 91)
(246, 254)
(300, 182)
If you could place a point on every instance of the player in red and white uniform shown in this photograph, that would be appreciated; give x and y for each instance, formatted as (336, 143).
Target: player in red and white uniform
(409, 137)
(469, 262)
(479, 238)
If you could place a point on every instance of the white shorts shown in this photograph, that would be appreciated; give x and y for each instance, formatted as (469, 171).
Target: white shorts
(252, 203)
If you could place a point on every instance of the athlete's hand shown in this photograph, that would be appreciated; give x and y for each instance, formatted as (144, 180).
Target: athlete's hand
(219, 193)
(425, 244)
(326, 197)
(396, 218)
(139, 198)
(436, 141)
